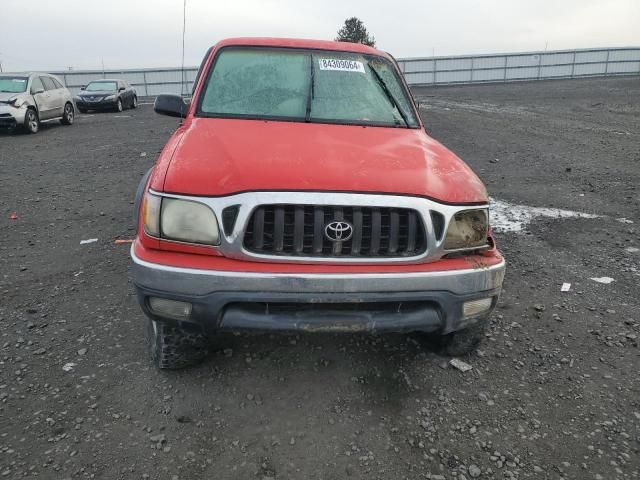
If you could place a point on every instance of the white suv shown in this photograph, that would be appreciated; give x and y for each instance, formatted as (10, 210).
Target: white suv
(27, 99)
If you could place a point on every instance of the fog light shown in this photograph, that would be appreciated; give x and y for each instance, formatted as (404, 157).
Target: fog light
(476, 307)
(170, 308)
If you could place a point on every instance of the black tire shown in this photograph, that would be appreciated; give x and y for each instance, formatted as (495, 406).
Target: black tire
(31, 121)
(465, 341)
(82, 110)
(172, 347)
(134, 102)
(68, 114)
(118, 107)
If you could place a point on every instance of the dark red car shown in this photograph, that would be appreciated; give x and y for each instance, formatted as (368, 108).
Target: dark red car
(301, 192)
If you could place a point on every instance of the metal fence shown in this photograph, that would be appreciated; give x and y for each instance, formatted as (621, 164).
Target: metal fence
(527, 66)
(508, 67)
(148, 82)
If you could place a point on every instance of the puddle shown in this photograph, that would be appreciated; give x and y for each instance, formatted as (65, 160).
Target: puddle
(509, 217)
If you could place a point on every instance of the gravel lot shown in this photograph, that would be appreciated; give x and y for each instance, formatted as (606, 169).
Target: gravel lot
(554, 391)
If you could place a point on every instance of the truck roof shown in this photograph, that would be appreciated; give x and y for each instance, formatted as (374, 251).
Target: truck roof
(301, 43)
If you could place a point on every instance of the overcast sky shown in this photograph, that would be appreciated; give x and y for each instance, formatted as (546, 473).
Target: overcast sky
(57, 34)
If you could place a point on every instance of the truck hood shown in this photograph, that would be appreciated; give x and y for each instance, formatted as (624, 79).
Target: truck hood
(224, 156)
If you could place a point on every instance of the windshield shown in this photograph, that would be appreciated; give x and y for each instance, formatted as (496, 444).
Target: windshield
(313, 86)
(101, 86)
(13, 84)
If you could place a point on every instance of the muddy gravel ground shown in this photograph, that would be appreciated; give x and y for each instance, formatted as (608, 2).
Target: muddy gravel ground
(554, 391)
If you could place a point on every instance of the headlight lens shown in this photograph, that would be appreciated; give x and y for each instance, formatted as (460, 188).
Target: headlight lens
(188, 221)
(110, 97)
(467, 229)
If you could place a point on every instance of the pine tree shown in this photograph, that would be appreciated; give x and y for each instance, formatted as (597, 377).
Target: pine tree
(354, 31)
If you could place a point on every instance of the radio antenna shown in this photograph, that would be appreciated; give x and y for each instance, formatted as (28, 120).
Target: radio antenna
(184, 28)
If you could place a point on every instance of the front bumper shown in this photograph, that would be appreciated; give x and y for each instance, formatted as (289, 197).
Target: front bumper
(400, 301)
(99, 105)
(11, 117)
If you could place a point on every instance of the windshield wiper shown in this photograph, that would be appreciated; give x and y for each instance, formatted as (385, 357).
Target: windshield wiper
(307, 117)
(389, 95)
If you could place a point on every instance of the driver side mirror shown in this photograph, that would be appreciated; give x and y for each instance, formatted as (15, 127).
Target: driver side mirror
(82, 88)
(170, 105)
(121, 89)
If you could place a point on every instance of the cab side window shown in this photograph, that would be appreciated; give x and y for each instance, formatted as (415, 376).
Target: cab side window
(57, 83)
(36, 84)
(48, 83)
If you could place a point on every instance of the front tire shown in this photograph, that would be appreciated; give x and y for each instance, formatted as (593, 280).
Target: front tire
(119, 105)
(134, 102)
(173, 347)
(68, 115)
(31, 121)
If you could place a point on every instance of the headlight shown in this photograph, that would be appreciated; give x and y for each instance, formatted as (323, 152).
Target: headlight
(110, 97)
(179, 220)
(188, 221)
(467, 229)
(17, 102)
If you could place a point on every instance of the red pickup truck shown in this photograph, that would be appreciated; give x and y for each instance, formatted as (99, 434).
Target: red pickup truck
(302, 193)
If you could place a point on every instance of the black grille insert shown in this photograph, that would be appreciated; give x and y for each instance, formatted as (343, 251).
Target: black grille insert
(299, 230)
(229, 216)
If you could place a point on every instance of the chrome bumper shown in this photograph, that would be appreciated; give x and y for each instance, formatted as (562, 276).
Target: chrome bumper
(185, 281)
(249, 300)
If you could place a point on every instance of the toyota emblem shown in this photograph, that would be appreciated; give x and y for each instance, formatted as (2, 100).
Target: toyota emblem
(338, 231)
